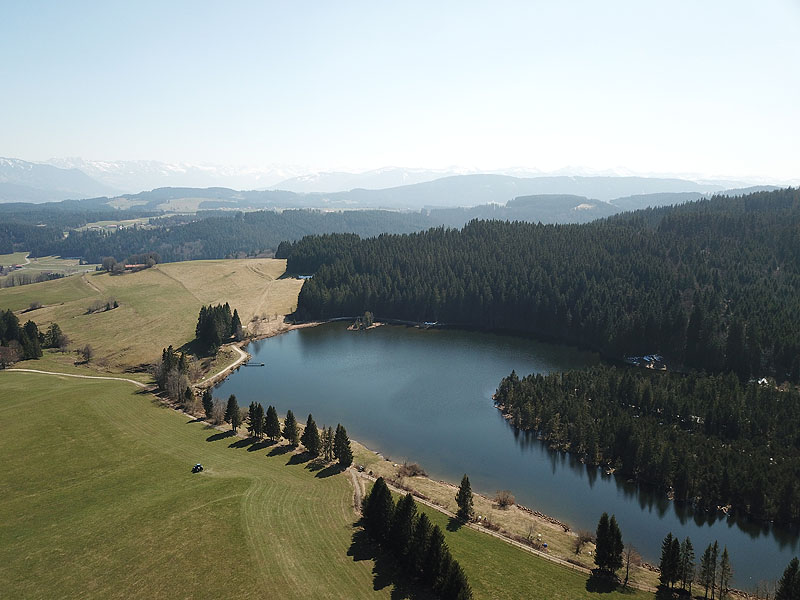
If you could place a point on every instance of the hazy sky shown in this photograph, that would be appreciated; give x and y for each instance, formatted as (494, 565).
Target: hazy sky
(710, 87)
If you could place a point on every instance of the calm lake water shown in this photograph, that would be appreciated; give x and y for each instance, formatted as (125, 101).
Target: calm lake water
(425, 396)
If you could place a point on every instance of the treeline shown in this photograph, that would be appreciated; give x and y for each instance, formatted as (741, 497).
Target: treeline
(327, 445)
(18, 278)
(172, 375)
(711, 440)
(216, 325)
(25, 342)
(68, 214)
(21, 237)
(418, 546)
(224, 236)
(677, 566)
(711, 284)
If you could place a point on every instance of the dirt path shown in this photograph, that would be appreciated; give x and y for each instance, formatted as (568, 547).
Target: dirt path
(91, 285)
(136, 383)
(243, 356)
(356, 491)
(499, 536)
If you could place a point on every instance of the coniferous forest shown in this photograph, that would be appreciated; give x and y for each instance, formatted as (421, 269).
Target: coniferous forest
(712, 285)
(709, 439)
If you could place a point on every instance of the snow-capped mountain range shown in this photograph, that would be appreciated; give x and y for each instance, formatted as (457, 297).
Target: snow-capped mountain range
(74, 178)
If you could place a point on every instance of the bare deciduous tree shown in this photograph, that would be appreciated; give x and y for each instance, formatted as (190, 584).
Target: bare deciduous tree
(86, 353)
(584, 537)
(504, 498)
(632, 557)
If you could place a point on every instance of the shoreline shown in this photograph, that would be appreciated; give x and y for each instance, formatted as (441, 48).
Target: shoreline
(509, 524)
(644, 575)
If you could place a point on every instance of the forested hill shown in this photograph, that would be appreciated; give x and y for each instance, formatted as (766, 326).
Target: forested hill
(714, 284)
(226, 235)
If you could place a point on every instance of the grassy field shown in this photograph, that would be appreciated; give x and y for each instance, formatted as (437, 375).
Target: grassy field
(99, 501)
(17, 258)
(157, 306)
(113, 225)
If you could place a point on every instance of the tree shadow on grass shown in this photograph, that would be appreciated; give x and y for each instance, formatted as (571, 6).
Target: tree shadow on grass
(601, 583)
(329, 470)
(298, 459)
(454, 524)
(385, 571)
(664, 593)
(260, 445)
(219, 436)
(280, 450)
(316, 464)
(195, 420)
(243, 443)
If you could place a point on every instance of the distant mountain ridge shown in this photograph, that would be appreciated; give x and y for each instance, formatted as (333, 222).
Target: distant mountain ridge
(133, 176)
(23, 181)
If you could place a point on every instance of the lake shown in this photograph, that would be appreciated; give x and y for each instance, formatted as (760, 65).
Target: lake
(425, 396)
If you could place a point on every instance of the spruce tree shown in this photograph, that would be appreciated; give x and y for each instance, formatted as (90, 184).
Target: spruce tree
(327, 443)
(714, 566)
(464, 499)
(440, 584)
(29, 339)
(456, 586)
(236, 327)
(617, 547)
(789, 583)
(290, 428)
(603, 543)
(667, 565)
(725, 574)
(231, 409)
(259, 417)
(420, 543)
(208, 404)
(402, 526)
(236, 419)
(188, 397)
(255, 420)
(432, 569)
(272, 427)
(706, 570)
(686, 571)
(378, 511)
(341, 447)
(310, 437)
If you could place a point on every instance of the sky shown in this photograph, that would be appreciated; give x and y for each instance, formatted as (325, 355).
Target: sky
(710, 87)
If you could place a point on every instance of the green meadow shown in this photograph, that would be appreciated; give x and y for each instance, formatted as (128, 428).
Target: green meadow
(99, 501)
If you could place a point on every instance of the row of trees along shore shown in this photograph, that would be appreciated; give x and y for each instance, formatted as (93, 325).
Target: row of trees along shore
(417, 545)
(710, 284)
(679, 568)
(328, 444)
(215, 326)
(711, 440)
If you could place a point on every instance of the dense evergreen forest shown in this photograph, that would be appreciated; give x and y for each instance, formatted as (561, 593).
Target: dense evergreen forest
(712, 284)
(19, 237)
(223, 236)
(710, 439)
(68, 214)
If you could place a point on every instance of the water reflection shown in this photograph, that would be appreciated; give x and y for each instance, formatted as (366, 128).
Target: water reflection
(424, 395)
